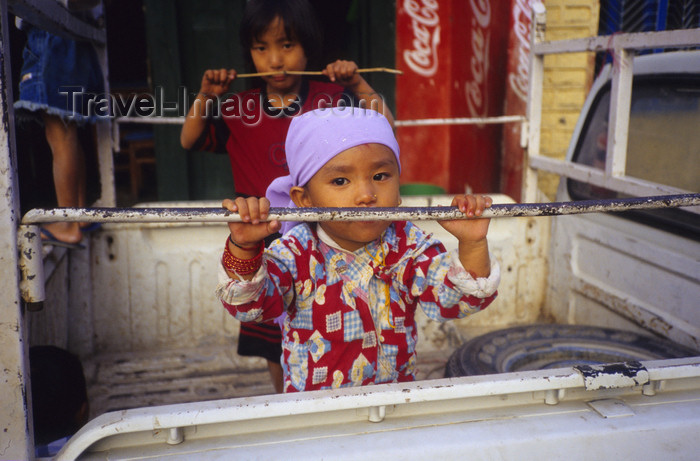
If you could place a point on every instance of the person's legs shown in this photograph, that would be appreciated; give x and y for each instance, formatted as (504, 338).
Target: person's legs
(276, 375)
(263, 339)
(68, 174)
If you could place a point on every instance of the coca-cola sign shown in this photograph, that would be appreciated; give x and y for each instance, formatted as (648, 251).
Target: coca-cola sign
(425, 22)
(453, 54)
(475, 88)
(518, 80)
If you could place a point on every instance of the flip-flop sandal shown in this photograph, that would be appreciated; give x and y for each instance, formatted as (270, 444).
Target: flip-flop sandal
(92, 227)
(47, 238)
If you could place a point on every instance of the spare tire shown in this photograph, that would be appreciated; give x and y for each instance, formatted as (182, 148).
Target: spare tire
(538, 347)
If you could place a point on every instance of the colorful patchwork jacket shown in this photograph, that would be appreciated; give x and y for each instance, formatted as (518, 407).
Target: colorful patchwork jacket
(349, 317)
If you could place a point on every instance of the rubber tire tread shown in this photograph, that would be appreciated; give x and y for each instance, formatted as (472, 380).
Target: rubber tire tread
(485, 354)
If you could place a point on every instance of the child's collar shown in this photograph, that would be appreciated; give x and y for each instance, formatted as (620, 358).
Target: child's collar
(328, 240)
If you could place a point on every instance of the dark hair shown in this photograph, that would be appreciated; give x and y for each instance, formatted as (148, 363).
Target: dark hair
(300, 23)
(58, 392)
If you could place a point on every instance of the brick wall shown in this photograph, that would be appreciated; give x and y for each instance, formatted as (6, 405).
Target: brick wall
(567, 78)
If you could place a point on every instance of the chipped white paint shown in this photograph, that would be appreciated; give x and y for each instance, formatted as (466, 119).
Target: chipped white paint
(613, 376)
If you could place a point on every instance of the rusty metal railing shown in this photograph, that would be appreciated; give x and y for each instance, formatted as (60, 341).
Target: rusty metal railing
(210, 214)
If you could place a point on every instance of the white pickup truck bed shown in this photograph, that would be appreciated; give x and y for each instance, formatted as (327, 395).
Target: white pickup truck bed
(602, 270)
(137, 306)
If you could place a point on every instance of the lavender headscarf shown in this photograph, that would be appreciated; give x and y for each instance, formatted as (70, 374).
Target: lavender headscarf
(316, 137)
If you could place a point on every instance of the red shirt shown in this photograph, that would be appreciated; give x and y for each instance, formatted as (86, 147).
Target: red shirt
(253, 133)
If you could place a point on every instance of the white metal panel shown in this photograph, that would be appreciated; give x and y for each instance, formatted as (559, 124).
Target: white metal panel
(630, 270)
(50, 324)
(159, 284)
(480, 417)
(15, 410)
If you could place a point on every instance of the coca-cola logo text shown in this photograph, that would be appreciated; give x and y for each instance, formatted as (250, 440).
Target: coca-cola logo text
(425, 21)
(475, 88)
(518, 80)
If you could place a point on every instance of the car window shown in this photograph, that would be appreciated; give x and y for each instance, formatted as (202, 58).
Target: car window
(663, 146)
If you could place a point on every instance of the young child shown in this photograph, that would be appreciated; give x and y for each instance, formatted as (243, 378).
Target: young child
(350, 289)
(278, 35)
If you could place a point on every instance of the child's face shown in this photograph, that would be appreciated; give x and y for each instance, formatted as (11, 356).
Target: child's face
(273, 52)
(362, 176)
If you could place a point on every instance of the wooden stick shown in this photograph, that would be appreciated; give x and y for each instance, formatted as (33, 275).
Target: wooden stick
(357, 214)
(317, 72)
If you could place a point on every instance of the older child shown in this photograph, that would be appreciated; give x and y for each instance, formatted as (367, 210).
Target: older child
(277, 36)
(350, 290)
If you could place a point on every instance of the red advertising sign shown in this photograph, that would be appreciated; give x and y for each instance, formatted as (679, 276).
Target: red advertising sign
(453, 57)
(516, 96)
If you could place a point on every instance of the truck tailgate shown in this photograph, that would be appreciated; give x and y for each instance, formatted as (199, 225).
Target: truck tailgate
(652, 413)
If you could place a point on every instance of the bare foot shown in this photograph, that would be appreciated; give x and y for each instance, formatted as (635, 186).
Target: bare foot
(68, 232)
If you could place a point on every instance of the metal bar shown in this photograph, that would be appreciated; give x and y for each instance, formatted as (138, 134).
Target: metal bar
(534, 104)
(31, 265)
(54, 18)
(630, 41)
(596, 177)
(460, 121)
(619, 112)
(15, 405)
(121, 215)
(397, 123)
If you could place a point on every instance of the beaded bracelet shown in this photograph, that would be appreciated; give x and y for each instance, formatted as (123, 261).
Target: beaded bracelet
(239, 246)
(242, 266)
